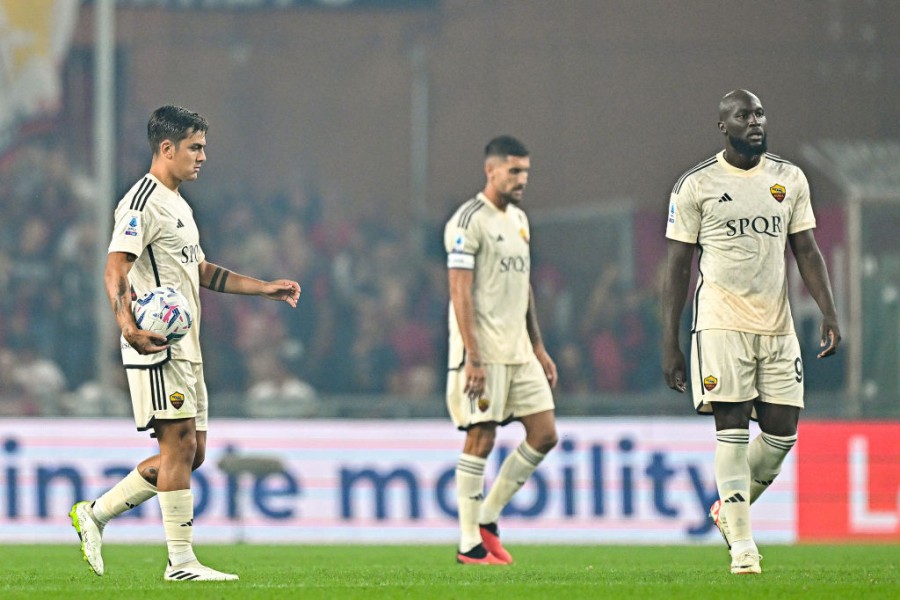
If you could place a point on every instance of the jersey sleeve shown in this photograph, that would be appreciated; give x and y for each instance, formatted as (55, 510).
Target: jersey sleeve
(683, 221)
(133, 231)
(802, 217)
(461, 244)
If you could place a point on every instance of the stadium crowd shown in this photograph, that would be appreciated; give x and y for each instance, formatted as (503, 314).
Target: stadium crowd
(372, 316)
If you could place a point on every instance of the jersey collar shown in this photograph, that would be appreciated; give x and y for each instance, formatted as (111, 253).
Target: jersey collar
(732, 169)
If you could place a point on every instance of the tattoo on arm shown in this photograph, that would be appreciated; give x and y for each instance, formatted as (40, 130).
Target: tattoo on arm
(217, 285)
(121, 301)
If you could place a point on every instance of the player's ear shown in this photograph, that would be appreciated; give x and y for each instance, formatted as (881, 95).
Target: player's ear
(721, 127)
(167, 148)
(489, 165)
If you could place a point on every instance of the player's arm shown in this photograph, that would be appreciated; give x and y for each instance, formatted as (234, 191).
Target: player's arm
(463, 304)
(219, 279)
(815, 275)
(118, 290)
(537, 342)
(678, 277)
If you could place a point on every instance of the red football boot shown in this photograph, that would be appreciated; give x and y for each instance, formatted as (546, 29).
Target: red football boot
(490, 535)
(478, 556)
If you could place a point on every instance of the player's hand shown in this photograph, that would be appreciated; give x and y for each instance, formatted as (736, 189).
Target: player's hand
(831, 338)
(475, 377)
(548, 365)
(283, 290)
(673, 370)
(145, 342)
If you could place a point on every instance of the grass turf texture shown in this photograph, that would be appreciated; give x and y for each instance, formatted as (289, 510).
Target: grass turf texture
(548, 571)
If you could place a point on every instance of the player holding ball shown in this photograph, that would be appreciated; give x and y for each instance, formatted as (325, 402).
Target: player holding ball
(155, 242)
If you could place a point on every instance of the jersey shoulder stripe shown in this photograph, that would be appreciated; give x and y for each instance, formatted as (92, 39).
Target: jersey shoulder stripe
(465, 216)
(778, 159)
(699, 167)
(146, 189)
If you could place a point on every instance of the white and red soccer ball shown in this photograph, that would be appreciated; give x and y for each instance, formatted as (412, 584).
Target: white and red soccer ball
(164, 310)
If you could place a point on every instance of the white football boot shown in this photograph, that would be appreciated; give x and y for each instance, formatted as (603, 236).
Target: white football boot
(194, 571)
(746, 563)
(90, 533)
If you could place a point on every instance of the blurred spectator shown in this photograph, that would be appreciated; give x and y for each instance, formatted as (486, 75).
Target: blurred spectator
(276, 393)
(599, 327)
(371, 364)
(76, 292)
(14, 401)
(573, 369)
(38, 382)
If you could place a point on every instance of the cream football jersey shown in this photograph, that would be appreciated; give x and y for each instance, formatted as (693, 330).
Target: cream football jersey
(740, 221)
(494, 244)
(157, 225)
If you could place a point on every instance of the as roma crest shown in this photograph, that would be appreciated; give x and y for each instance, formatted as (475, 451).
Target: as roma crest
(778, 192)
(710, 382)
(177, 399)
(484, 404)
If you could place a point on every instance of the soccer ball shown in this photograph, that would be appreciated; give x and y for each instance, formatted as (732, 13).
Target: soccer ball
(164, 310)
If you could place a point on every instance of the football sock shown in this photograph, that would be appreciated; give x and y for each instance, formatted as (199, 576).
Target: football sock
(514, 472)
(733, 482)
(469, 494)
(129, 492)
(178, 522)
(766, 454)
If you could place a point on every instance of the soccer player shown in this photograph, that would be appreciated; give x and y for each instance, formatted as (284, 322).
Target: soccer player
(740, 208)
(155, 242)
(499, 370)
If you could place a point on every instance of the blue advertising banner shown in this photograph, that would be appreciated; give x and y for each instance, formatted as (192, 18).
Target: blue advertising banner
(382, 481)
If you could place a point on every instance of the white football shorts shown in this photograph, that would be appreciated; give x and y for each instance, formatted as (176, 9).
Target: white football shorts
(510, 392)
(174, 389)
(735, 366)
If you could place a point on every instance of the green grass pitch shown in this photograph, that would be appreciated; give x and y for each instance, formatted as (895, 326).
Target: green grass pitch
(546, 571)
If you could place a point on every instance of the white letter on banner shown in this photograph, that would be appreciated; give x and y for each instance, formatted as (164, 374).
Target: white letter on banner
(862, 520)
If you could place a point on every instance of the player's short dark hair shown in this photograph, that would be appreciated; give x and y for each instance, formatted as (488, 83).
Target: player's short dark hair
(173, 123)
(505, 145)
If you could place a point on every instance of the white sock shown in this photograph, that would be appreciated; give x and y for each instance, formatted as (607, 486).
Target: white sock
(178, 521)
(129, 492)
(741, 546)
(514, 472)
(766, 454)
(733, 482)
(469, 494)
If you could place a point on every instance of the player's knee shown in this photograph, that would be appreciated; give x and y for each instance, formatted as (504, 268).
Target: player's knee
(182, 449)
(778, 420)
(188, 447)
(546, 441)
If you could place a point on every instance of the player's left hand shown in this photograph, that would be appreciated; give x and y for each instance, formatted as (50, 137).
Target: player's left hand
(831, 338)
(548, 365)
(283, 290)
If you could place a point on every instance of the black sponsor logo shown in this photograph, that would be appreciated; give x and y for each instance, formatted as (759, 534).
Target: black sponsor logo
(518, 264)
(770, 226)
(190, 254)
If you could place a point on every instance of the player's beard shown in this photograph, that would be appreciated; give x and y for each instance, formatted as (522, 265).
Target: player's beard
(512, 199)
(746, 148)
